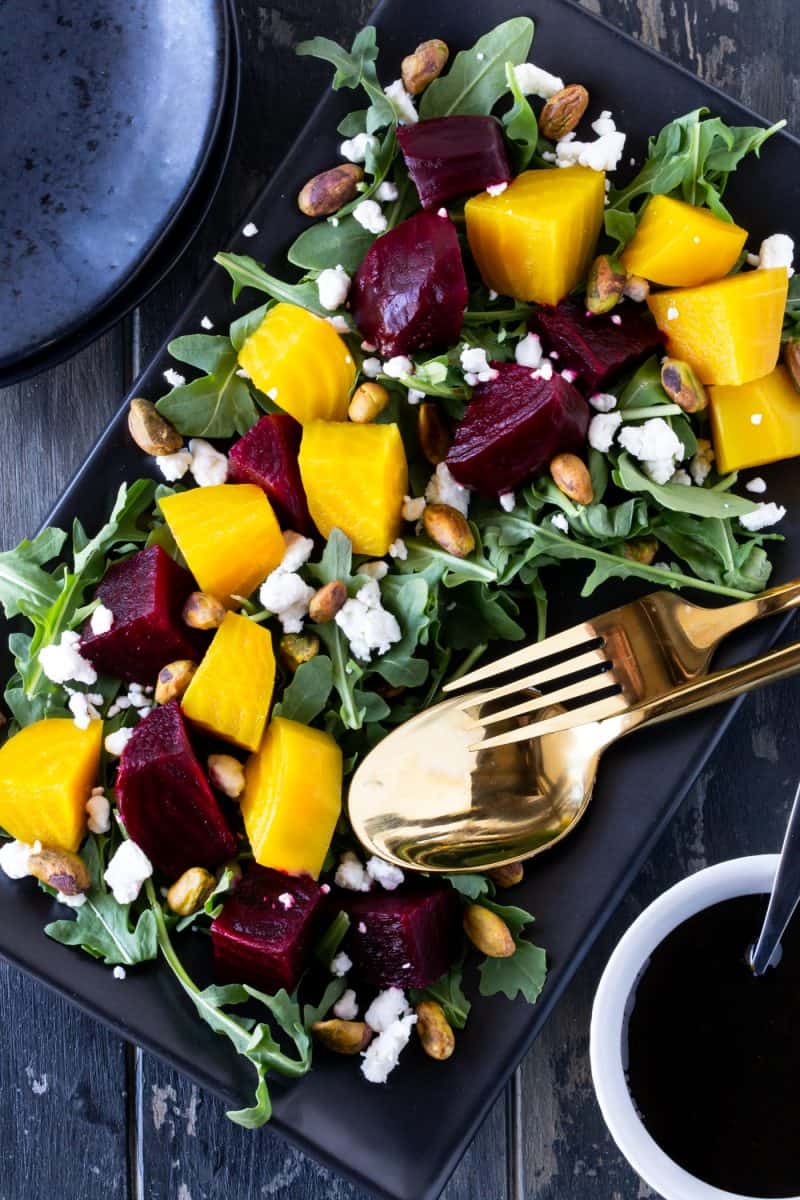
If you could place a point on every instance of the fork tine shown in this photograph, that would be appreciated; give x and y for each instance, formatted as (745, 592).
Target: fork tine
(592, 658)
(584, 687)
(608, 707)
(569, 639)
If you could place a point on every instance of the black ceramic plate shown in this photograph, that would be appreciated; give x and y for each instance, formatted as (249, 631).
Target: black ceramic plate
(116, 124)
(384, 1136)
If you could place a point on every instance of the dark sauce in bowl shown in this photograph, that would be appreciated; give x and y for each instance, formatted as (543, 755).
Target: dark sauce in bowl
(714, 1052)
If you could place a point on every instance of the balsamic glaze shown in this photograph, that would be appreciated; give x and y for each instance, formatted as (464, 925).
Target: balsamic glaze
(714, 1052)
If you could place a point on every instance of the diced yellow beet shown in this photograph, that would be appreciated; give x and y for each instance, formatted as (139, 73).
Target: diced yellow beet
(681, 245)
(729, 331)
(355, 478)
(47, 772)
(756, 422)
(536, 239)
(293, 797)
(300, 361)
(231, 690)
(228, 535)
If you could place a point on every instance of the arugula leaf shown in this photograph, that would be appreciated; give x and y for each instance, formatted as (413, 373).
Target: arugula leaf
(448, 992)
(217, 405)
(709, 547)
(246, 272)
(471, 886)
(477, 77)
(24, 585)
(520, 123)
(691, 157)
(332, 938)
(318, 1012)
(407, 599)
(354, 69)
(308, 693)
(698, 501)
(244, 326)
(324, 245)
(346, 674)
(524, 973)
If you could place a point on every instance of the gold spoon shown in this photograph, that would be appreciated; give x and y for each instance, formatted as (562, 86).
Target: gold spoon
(429, 799)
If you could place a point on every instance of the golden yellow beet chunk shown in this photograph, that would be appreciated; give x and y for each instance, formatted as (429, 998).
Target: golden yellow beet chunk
(228, 534)
(293, 797)
(355, 478)
(231, 690)
(681, 245)
(729, 331)
(300, 361)
(757, 422)
(536, 239)
(47, 772)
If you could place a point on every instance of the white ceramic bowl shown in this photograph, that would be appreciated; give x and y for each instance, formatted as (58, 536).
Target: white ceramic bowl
(614, 1000)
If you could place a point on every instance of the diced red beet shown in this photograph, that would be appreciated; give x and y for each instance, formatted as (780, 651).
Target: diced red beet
(145, 594)
(408, 937)
(164, 799)
(597, 347)
(410, 291)
(513, 426)
(454, 156)
(267, 457)
(264, 933)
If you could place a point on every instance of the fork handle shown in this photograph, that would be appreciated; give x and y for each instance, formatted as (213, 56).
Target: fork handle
(715, 688)
(775, 600)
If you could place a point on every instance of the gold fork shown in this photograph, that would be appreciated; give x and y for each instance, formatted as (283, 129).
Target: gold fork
(611, 663)
(428, 799)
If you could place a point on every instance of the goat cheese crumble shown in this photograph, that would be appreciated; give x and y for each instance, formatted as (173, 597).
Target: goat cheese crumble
(250, 230)
(413, 508)
(603, 402)
(443, 489)
(656, 446)
(340, 964)
(355, 149)
(763, 516)
(602, 429)
(116, 742)
(101, 619)
(119, 973)
(375, 570)
(701, 463)
(496, 189)
(174, 466)
(534, 81)
(283, 592)
(398, 366)
(757, 485)
(545, 371)
(351, 874)
(777, 251)
(603, 154)
(560, 522)
(286, 900)
(384, 873)
(401, 102)
(174, 378)
(413, 396)
(84, 708)
(386, 1008)
(98, 810)
(475, 366)
(528, 351)
(15, 856)
(127, 871)
(339, 324)
(346, 1007)
(386, 192)
(366, 624)
(206, 323)
(371, 367)
(391, 1019)
(209, 467)
(63, 660)
(398, 549)
(370, 216)
(333, 284)
(508, 501)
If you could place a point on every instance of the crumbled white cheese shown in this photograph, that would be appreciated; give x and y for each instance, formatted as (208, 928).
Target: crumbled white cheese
(401, 102)
(387, 875)
(672, 313)
(757, 485)
(604, 124)
(603, 154)
(443, 489)
(174, 466)
(371, 367)
(414, 396)
(284, 592)
(777, 251)
(534, 81)
(127, 871)
(298, 550)
(493, 294)
(116, 742)
(101, 619)
(753, 260)
(756, 418)
(569, 375)
(682, 477)
(366, 624)
(496, 189)
(206, 323)
(616, 319)
(333, 284)
(656, 446)
(14, 858)
(361, 927)
(340, 964)
(174, 378)
(98, 810)
(413, 508)
(602, 429)
(351, 875)
(375, 570)
(475, 365)
(338, 323)
(545, 371)
(383, 1053)
(209, 466)
(398, 366)
(355, 149)
(240, 371)
(508, 501)
(119, 973)
(367, 347)
(398, 549)
(603, 401)
(83, 708)
(560, 522)
(528, 351)
(386, 192)
(250, 230)
(370, 216)
(701, 463)
(63, 660)
(386, 1008)
(76, 901)
(346, 1007)
(286, 900)
(763, 516)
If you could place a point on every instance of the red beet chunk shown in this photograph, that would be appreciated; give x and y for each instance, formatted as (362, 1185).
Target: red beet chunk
(408, 937)
(513, 426)
(453, 156)
(597, 347)
(410, 291)
(261, 940)
(145, 593)
(164, 798)
(267, 457)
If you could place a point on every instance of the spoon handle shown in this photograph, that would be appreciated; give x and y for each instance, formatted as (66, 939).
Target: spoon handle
(785, 894)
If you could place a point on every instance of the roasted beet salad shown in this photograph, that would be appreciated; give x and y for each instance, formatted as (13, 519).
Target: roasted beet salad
(514, 341)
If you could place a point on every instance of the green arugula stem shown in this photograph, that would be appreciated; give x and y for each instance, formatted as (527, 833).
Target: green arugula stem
(474, 656)
(498, 314)
(651, 410)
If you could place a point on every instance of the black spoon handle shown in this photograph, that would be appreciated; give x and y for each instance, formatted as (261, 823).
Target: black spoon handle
(785, 894)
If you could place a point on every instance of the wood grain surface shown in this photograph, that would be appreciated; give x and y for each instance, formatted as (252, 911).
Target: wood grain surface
(84, 1116)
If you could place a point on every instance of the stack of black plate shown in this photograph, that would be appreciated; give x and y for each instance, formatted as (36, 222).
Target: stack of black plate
(116, 122)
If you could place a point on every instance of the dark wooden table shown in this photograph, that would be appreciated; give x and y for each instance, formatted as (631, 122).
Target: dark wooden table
(84, 1115)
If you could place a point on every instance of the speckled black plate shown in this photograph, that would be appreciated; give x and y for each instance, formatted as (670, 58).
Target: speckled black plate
(404, 1139)
(115, 121)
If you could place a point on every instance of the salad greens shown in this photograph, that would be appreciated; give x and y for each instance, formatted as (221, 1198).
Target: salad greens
(449, 610)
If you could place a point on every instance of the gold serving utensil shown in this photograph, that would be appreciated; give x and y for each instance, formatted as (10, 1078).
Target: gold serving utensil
(433, 797)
